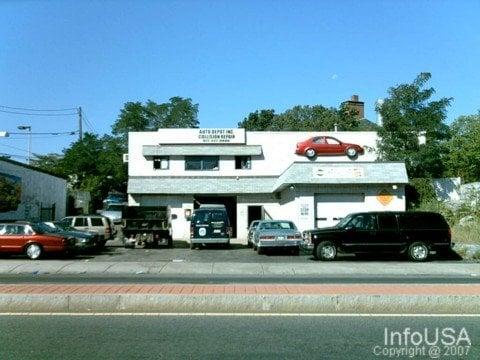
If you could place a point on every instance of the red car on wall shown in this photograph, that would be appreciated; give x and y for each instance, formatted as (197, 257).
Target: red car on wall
(33, 241)
(327, 145)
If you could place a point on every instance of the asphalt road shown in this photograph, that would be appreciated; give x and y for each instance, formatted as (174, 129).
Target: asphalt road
(114, 252)
(235, 337)
(233, 279)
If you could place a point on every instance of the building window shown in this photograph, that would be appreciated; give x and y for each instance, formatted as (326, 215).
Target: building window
(203, 163)
(243, 162)
(161, 162)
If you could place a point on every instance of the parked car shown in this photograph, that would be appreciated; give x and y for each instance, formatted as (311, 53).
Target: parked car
(84, 240)
(96, 223)
(327, 145)
(210, 225)
(417, 234)
(114, 212)
(33, 241)
(115, 198)
(251, 231)
(277, 233)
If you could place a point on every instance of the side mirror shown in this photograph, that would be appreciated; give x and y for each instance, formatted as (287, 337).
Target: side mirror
(350, 228)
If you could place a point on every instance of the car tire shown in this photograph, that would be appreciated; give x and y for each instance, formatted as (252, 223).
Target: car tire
(296, 251)
(249, 244)
(259, 250)
(34, 251)
(310, 153)
(192, 246)
(352, 153)
(254, 247)
(325, 251)
(418, 251)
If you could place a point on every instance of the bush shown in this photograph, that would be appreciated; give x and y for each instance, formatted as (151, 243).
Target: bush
(419, 191)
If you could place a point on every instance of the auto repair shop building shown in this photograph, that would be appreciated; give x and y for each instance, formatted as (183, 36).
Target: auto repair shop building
(258, 175)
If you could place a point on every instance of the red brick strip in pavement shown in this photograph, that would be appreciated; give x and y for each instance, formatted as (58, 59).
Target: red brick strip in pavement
(250, 289)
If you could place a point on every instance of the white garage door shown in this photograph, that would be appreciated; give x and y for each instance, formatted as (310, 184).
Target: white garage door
(330, 208)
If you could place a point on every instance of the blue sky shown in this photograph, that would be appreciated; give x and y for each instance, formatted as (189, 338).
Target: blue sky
(230, 57)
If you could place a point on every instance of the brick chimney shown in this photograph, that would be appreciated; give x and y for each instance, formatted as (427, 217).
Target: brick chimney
(355, 104)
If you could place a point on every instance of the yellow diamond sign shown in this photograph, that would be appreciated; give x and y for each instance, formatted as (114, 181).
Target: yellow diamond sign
(384, 197)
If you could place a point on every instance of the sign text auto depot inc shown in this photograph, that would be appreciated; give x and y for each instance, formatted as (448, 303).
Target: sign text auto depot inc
(216, 135)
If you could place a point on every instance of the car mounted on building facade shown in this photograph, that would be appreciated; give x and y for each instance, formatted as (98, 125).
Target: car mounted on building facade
(416, 234)
(327, 145)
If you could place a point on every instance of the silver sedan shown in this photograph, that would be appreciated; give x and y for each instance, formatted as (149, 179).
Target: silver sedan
(277, 233)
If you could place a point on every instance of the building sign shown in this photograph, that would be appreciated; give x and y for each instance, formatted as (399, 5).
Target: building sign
(220, 135)
(326, 172)
(202, 136)
(384, 197)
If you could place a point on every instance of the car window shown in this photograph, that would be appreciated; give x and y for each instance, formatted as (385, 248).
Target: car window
(96, 221)
(387, 222)
(209, 215)
(278, 225)
(318, 140)
(333, 141)
(363, 222)
(80, 222)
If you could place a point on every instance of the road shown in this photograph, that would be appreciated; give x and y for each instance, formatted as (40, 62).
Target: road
(233, 279)
(228, 337)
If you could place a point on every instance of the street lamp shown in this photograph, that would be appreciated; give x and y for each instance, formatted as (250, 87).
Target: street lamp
(4, 134)
(29, 129)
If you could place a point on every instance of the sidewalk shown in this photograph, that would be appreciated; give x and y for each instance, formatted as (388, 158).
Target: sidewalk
(444, 268)
(292, 299)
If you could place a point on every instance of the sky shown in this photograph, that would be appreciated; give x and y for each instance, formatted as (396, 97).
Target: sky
(230, 57)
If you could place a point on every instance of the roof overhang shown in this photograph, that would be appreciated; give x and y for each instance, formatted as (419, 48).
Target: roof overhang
(201, 150)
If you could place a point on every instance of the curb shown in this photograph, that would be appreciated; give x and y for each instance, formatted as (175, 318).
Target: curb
(234, 303)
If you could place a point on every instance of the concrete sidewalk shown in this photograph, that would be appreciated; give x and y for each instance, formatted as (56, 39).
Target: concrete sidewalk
(287, 298)
(379, 268)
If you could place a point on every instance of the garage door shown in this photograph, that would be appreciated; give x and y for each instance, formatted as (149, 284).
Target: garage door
(330, 208)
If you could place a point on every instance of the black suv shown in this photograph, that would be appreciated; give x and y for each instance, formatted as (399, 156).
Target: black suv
(416, 233)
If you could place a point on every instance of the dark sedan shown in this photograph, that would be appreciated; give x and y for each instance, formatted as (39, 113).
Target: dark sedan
(83, 240)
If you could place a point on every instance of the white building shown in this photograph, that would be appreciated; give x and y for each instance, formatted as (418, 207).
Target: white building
(258, 175)
(32, 193)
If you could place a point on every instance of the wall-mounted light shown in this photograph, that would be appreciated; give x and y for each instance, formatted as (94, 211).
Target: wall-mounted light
(394, 187)
(188, 214)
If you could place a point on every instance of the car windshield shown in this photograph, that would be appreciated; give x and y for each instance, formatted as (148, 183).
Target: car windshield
(278, 225)
(344, 221)
(41, 228)
(64, 226)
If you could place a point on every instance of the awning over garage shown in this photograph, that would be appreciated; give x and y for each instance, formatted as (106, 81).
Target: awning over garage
(343, 173)
(201, 150)
(200, 185)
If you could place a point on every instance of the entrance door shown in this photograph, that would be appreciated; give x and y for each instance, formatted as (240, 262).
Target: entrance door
(230, 203)
(254, 213)
(331, 208)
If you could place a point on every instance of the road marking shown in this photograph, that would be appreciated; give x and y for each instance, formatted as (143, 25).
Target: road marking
(236, 314)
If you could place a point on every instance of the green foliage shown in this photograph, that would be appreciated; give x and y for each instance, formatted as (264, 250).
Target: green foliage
(419, 191)
(407, 113)
(302, 118)
(94, 164)
(259, 120)
(464, 148)
(9, 195)
(177, 113)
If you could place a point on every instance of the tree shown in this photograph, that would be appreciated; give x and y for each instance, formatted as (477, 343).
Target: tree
(408, 113)
(464, 148)
(177, 113)
(302, 118)
(259, 120)
(10, 194)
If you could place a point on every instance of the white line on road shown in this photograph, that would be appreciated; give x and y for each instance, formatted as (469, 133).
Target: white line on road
(237, 314)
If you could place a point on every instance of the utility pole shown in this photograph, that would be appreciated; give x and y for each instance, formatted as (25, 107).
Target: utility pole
(80, 124)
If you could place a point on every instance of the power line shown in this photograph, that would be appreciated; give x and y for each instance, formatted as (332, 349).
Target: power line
(73, 132)
(27, 109)
(14, 147)
(33, 114)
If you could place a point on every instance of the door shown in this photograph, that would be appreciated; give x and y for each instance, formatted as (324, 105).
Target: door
(360, 234)
(80, 223)
(331, 208)
(254, 213)
(12, 238)
(388, 237)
